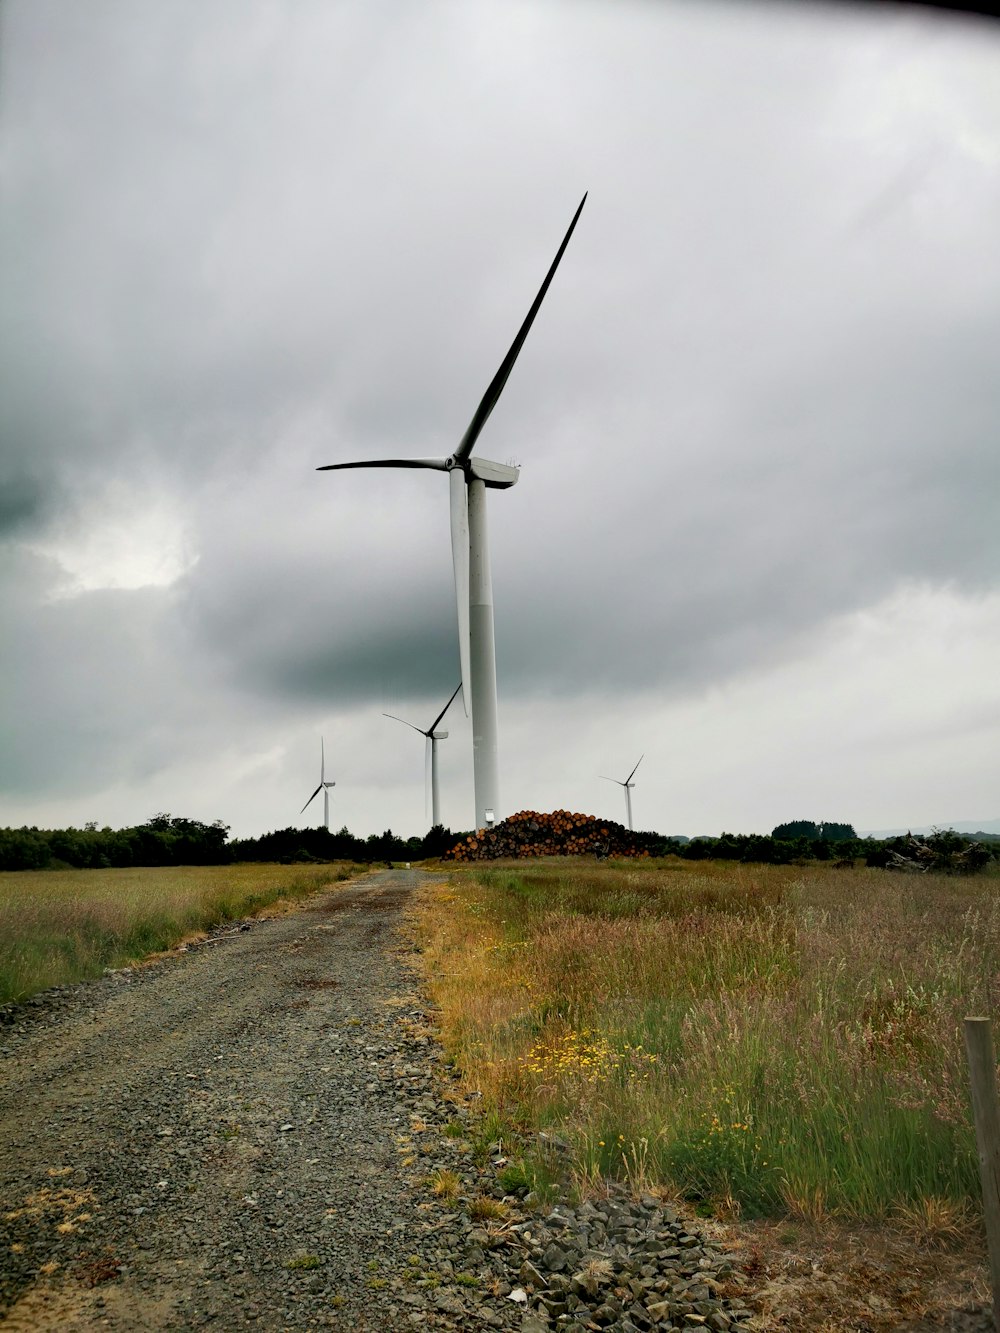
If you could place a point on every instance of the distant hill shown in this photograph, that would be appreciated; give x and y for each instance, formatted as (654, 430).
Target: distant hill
(990, 826)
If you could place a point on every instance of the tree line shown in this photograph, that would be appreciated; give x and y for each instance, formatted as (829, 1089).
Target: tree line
(162, 841)
(319, 844)
(802, 840)
(173, 840)
(166, 840)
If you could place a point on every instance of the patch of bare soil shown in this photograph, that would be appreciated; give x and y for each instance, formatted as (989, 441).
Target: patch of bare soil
(833, 1278)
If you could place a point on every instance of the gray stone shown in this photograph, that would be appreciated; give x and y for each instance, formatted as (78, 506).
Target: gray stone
(533, 1323)
(608, 1311)
(584, 1285)
(448, 1302)
(554, 1258)
(530, 1276)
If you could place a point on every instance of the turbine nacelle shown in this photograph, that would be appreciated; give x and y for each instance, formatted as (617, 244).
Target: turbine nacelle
(497, 476)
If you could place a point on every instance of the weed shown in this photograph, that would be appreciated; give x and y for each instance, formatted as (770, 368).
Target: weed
(600, 1270)
(805, 1201)
(935, 1222)
(485, 1209)
(754, 1265)
(515, 1178)
(444, 1184)
(304, 1261)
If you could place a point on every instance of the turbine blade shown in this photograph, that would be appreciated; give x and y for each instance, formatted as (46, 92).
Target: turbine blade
(500, 378)
(433, 726)
(405, 723)
(322, 762)
(632, 774)
(311, 799)
(460, 560)
(617, 780)
(435, 464)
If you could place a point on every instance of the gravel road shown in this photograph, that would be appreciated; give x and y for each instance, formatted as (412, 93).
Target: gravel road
(215, 1138)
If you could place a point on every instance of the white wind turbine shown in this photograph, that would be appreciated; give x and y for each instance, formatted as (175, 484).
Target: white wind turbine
(431, 754)
(323, 787)
(628, 784)
(469, 478)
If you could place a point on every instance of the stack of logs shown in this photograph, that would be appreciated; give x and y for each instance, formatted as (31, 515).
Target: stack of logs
(945, 854)
(560, 833)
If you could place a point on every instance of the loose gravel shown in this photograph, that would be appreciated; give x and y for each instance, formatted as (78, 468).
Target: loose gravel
(246, 1134)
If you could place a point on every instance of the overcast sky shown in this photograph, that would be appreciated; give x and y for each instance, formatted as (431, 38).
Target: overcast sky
(755, 536)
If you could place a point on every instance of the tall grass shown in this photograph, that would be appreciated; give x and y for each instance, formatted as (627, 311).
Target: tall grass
(58, 927)
(784, 1038)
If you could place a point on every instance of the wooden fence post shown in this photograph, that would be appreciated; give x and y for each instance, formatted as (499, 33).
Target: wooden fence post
(986, 1113)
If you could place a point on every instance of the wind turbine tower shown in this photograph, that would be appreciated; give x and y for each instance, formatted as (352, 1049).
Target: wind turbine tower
(469, 478)
(628, 784)
(323, 787)
(431, 753)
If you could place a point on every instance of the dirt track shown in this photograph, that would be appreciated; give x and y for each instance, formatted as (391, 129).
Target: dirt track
(212, 1139)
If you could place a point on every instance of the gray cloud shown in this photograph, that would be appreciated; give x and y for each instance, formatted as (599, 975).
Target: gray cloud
(21, 503)
(252, 239)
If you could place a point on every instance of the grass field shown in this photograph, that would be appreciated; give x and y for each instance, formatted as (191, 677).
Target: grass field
(772, 1040)
(61, 926)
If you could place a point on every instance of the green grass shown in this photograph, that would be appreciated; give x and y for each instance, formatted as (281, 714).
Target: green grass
(304, 1261)
(786, 1039)
(62, 926)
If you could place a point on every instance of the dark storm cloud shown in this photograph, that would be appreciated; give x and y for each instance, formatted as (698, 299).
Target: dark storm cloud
(21, 503)
(161, 297)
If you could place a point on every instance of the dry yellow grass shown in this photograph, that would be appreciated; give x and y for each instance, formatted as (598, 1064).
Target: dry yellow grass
(60, 926)
(784, 1038)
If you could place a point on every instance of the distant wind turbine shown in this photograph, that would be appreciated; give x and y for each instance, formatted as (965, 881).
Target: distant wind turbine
(323, 787)
(468, 479)
(431, 754)
(628, 784)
